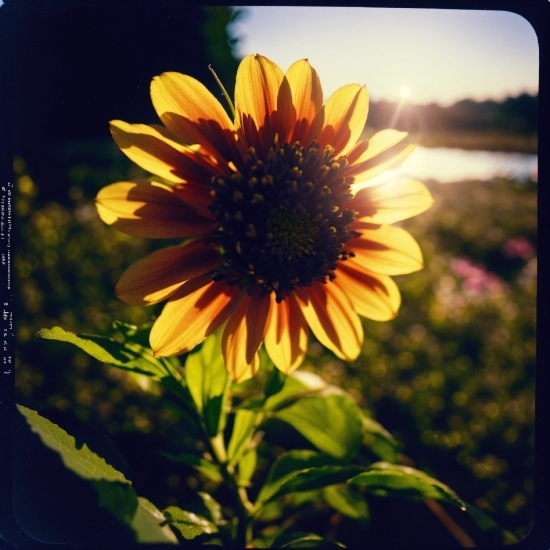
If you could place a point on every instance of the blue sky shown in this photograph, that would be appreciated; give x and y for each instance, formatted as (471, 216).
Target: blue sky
(440, 55)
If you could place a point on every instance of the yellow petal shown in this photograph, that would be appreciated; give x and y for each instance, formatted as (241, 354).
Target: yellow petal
(398, 200)
(152, 148)
(243, 335)
(307, 97)
(384, 151)
(286, 334)
(149, 209)
(379, 143)
(373, 296)
(256, 96)
(194, 312)
(332, 319)
(158, 275)
(192, 113)
(387, 250)
(342, 120)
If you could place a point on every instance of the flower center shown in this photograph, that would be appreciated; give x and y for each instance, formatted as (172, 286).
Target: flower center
(282, 221)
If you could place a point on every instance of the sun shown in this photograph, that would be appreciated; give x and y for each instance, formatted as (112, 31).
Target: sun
(405, 92)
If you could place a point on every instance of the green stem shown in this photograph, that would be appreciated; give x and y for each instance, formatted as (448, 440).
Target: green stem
(242, 504)
(224, 91)
(218, 448)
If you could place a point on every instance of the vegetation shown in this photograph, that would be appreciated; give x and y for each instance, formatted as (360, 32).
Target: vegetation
(452, 377)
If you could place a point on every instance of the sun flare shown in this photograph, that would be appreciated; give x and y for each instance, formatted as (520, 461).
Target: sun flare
(405, 92)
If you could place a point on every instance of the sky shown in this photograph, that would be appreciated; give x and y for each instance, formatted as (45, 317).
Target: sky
(426, 55)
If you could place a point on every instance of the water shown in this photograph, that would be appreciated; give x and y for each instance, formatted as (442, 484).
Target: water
(447, 165)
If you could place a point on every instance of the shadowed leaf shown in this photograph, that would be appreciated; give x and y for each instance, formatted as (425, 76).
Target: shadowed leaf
(189, 524)
(207, 380)
(384, 479)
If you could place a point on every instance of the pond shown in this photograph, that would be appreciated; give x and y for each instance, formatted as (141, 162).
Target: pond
(448, 165)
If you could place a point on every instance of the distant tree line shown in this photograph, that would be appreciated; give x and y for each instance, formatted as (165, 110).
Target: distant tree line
(518, 115)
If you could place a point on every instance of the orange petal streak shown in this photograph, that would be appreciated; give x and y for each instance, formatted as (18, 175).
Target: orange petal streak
(379, 143)
(373, 296)
(342, 119)
(192, 113)
(256, 96)
(286, 334)
(307, 97)
(387, 250)
(383, 152)
(194, 312)
(331, 317)
(151, 210)
(395, 201)
(243, 335)
(158, 275)
(152, 148)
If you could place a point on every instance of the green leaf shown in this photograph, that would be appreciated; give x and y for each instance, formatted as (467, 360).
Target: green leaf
(385, 479)
(379, 440)
(122, 355)
(198, 462)
(247, 466)
(189, 524)
(209, 382)
(243, 430)
(298, 384)
(303, 540)
(316, 478)
(347, 501)
(485, 523)
(82, 461)
(114, 490)
(119, 498)
(270, 512)
(332, 423)
(275, 383)
(147, 524)
(300, 470)
(133, 334)
(212, 508)
(128, 356)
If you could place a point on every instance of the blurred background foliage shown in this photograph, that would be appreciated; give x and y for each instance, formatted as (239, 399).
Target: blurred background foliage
(452, 377)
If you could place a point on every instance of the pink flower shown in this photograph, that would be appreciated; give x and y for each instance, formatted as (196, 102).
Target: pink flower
(518, 248)
(476, 277)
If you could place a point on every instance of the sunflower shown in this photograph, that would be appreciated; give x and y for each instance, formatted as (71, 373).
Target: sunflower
(285, 230)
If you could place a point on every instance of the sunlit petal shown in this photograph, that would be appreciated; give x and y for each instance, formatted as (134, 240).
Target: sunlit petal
(332, 319)
(157, 276)
(395, 201)
(243, 335)
(387, 250)
(379, 143)
(307, 97)
(373, 296)
(193, 312)
(384, 151)
(342, 120)
(149, 209)
(192, 113)
(286, 334)
(152, 148)
(256, 96)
